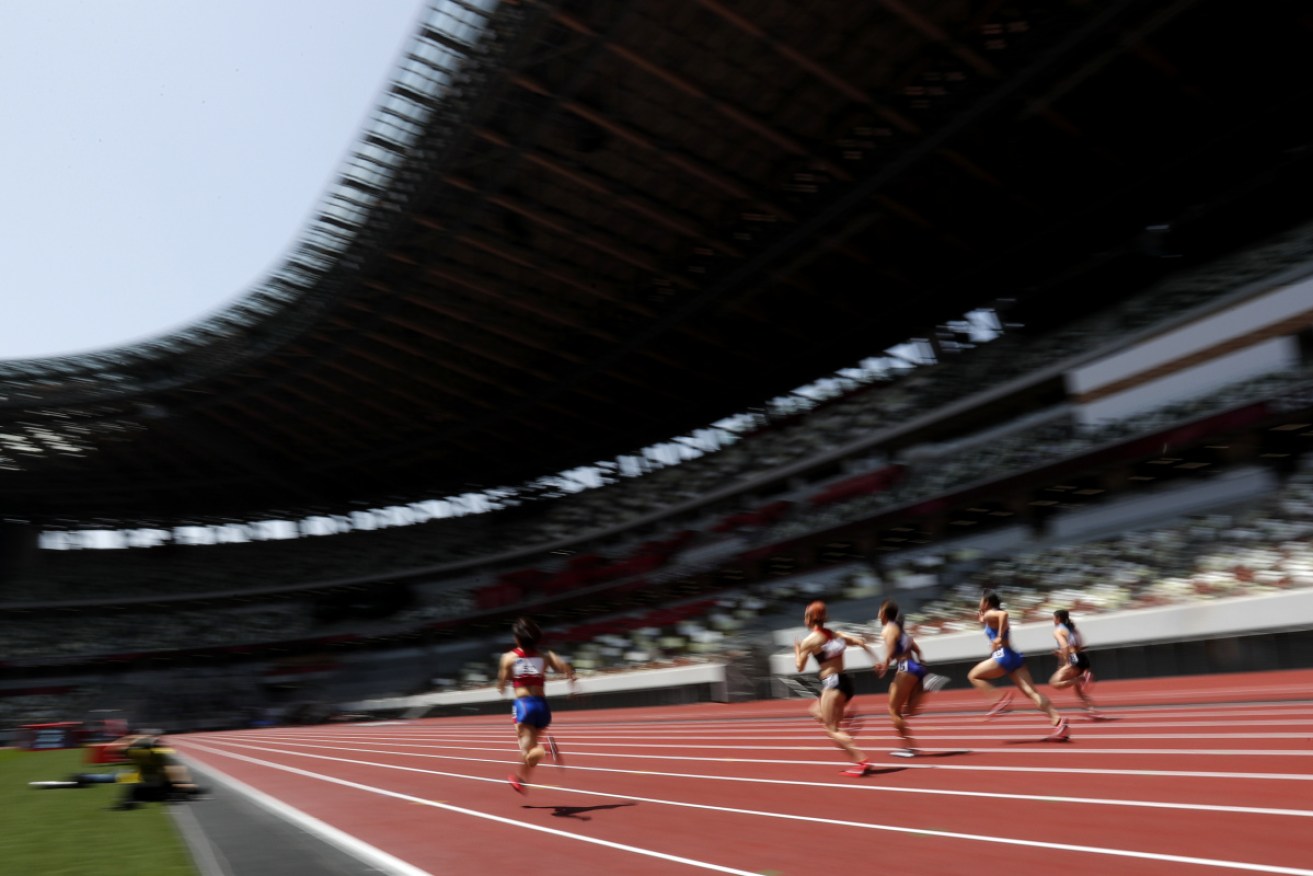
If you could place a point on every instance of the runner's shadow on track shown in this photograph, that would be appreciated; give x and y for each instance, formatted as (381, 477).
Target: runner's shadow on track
(881, 771)
(926, 755)
(577, 812)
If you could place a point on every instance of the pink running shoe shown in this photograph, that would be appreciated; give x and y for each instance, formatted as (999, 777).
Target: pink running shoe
(516, 785)
(554, 749)
(858, 769)
(1003, 704)
(1061, 733)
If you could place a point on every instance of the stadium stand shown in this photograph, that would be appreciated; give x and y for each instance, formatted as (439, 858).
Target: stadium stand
(309, 399)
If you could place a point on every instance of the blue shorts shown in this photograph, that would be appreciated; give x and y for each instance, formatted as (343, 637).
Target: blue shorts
(533, 711)
(913, 666)
(1009, 660)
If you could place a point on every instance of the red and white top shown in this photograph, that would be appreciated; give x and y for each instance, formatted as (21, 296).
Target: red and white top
(528, 669)
(832, 647)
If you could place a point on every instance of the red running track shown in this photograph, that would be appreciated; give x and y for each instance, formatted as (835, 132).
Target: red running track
(1192, 775)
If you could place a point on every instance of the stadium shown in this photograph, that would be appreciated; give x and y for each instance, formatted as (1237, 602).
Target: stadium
(658, 321)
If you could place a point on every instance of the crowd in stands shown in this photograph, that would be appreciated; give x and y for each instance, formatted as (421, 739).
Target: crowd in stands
(1259, 549)
(195, 698)
(1265, 547)
(1023, 450)
(848, 428)
(1268, 546)
(1247, 551)
(52, 637)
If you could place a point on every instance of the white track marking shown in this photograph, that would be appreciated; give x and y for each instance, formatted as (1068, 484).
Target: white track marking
(1046, 798)
(651, 853)
(1094, 729)
(498, 743)
(1121, 853)
(353, 846)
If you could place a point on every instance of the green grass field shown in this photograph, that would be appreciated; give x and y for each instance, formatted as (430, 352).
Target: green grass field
(73, 831)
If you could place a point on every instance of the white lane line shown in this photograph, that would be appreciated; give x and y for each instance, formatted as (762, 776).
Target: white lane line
(1044, 798)
(1017, 749)
(1101, 729)
(1123, 719)
(1010, 841)
(207, 857)
(365, 849)
(351, 845)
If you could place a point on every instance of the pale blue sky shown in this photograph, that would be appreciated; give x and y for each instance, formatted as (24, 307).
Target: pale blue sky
(159, 156)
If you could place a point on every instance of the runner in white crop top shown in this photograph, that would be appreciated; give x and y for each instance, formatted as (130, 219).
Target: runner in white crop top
(827, 647)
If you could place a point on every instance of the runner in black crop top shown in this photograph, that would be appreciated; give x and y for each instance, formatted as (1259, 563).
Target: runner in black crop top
(827, 647)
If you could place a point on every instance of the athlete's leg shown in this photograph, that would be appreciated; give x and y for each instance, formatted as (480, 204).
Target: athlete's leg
(901, 690)
(530, 749)
(1021, 678)
(979, 677)
(1066, 676)
(831, 706)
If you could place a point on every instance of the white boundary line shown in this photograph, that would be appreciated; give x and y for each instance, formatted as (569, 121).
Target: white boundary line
(1122, 853)
(208, 859)
(1044, 798)
(646, 755)
(356, 848)
(1019, 749)
(396, 866)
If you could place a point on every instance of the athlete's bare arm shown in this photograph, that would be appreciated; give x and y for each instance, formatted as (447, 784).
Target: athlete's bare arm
(561, 666)
(804, 648)
(504, 672)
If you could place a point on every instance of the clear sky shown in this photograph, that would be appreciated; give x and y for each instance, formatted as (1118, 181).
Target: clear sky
(160, 156)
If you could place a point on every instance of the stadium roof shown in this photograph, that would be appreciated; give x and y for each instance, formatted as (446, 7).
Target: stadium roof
(574, 229)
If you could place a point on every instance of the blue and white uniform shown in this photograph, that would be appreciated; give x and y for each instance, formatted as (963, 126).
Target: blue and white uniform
(1008, 659)
(902, 658)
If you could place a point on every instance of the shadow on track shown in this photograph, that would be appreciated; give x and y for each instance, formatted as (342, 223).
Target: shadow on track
(577, 812)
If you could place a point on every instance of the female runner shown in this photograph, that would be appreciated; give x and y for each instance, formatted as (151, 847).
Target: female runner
(908, 686)
(525, 669)
(1003, 660)
(827, 646)
(1074, 669)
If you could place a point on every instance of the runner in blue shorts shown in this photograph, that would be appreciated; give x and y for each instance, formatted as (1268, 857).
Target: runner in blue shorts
(903, 655)
(1004, 660)
(524, 668)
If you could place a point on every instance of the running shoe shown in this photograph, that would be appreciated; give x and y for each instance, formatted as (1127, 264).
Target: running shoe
(934, 682)
(554, 749)
(1003, 704)
(516, 785)
(858, 769)
(905, 752)
(1060, 733)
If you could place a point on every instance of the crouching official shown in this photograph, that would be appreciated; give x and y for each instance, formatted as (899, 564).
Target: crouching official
(161, 778)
